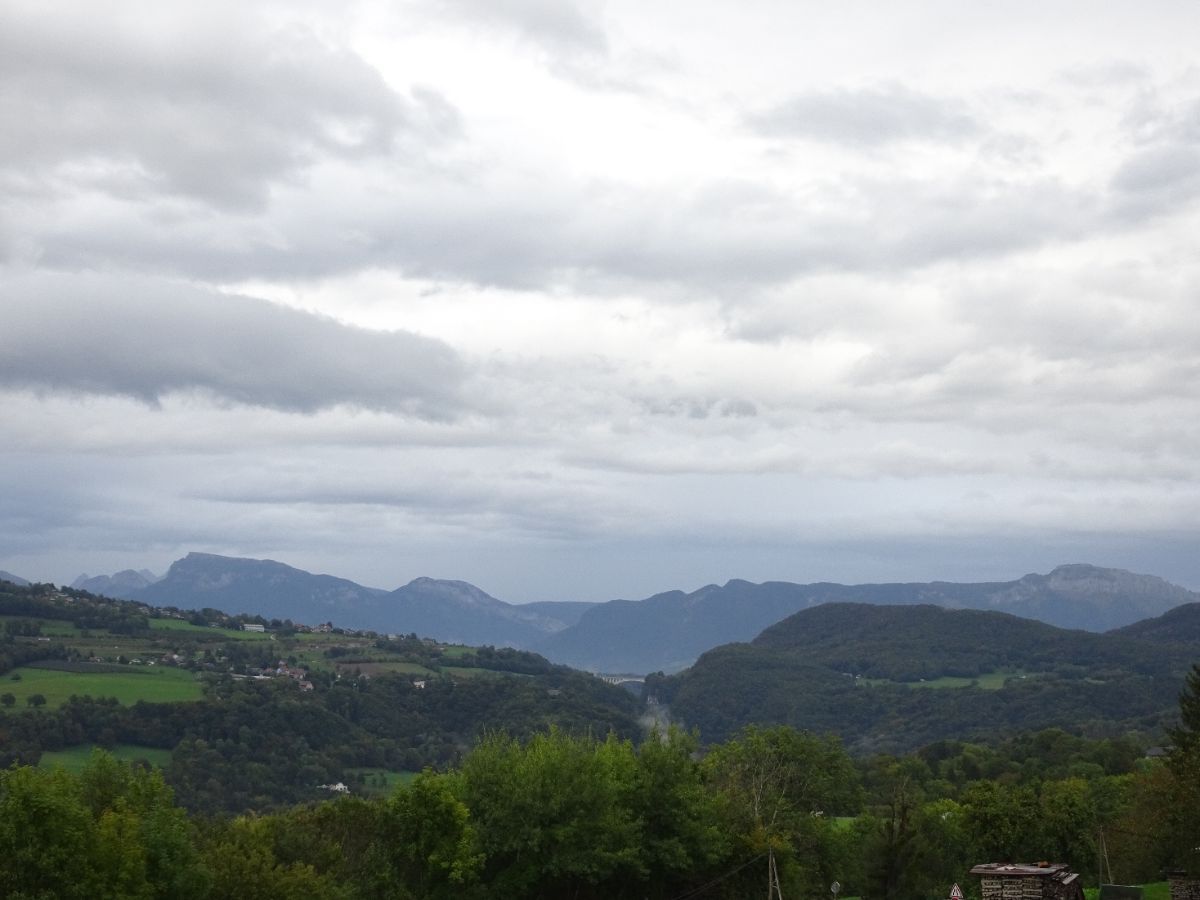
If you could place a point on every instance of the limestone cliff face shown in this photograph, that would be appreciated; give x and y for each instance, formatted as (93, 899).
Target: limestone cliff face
(261, 587)
(1090, 597)
(121, 584)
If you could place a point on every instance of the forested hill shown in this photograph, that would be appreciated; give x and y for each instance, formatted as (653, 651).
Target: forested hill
(910, 643)
(249, 719)
(1179, 625)
(897, 677)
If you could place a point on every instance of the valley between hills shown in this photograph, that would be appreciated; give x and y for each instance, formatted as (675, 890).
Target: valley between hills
(892, 675)
(305, 755)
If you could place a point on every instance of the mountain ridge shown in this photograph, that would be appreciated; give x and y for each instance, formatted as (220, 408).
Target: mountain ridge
(649, 635)
(1175, 626)
(120, 584)
(13, 579)
(664, 632)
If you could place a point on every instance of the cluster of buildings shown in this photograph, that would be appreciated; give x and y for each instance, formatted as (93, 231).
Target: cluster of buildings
(283, 670)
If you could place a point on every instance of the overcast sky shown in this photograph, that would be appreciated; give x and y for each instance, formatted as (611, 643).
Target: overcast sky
(592, 300)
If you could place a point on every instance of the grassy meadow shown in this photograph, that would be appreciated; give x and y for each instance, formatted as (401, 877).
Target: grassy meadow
(154, 684)
(73, 759)
(231, 634)
(50, 627)
(990, 681)
(380, 782)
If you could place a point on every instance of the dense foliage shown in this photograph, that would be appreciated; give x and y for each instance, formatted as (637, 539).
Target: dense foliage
(582, 817)
(255, 745)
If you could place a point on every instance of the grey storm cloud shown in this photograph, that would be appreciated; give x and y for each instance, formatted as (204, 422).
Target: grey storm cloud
(866, 117)
(147, 340)
(215, 115)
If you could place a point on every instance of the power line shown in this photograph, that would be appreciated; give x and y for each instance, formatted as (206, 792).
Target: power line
(696, 892)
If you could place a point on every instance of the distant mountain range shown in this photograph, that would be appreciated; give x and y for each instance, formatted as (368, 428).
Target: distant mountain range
(666, 632)
(669, 631)
(121, 584)
(12, 579)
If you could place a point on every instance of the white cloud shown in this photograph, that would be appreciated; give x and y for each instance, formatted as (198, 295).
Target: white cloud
(513, 287)
(219, 110)
(867, 117)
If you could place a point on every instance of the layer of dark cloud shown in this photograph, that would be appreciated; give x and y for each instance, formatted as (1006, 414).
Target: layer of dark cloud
(867, 117)
(134, 337)
(216, 114)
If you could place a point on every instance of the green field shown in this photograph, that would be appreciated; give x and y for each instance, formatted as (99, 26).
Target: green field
(465, 672)
(50, 627)
(109, 646)
(386, 668)
(991, 681)
(408, 668)
(317, 637)
(180, 625)
(309, 657)
(153, 684)
(380, 782)
(234, 634)
(73, 759)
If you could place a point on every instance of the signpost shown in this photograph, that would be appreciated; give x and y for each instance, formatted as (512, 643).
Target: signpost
(835, 888)
(956, 893)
